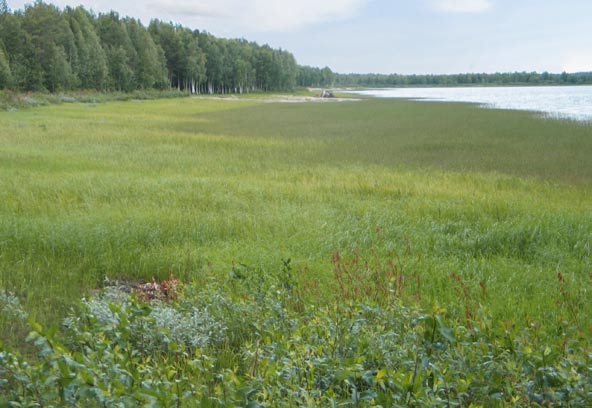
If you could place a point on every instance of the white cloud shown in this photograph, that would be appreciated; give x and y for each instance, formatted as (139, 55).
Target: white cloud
(462, 6)
(257, 15)
(221, 9)
(263, 15)
(578, 61)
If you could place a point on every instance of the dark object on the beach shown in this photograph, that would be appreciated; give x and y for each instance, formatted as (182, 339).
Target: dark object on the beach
(326, 94)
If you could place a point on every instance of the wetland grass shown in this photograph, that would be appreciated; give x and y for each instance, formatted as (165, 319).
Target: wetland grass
(190, 187)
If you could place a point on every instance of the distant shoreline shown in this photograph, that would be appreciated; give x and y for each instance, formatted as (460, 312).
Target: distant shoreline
(516, 85)
(559, 102)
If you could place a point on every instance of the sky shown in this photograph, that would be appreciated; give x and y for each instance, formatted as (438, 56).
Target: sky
(389, 36)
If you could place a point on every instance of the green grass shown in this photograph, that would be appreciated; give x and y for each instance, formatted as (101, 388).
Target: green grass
(191, 187)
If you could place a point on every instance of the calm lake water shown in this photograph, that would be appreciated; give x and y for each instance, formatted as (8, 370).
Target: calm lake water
(573, 102)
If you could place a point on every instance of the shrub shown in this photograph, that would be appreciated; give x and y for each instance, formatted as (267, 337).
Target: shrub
(250, 342)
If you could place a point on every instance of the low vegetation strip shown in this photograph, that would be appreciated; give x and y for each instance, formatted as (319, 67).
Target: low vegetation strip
(253, 341)
(474, 223)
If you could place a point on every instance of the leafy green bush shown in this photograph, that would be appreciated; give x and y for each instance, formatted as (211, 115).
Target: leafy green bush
(254, 342)
(149, 328)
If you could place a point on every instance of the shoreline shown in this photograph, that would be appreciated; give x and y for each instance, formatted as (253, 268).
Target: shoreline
(556, 102)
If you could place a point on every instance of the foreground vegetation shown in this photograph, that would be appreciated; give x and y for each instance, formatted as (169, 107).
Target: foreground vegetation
(254, 342)
(440, 254)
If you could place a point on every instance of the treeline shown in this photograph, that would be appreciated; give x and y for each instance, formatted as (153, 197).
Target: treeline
(470, 79)
(44, 48)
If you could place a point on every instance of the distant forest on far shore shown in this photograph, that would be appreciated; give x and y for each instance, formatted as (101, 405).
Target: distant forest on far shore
(470, 79)
(44, 48)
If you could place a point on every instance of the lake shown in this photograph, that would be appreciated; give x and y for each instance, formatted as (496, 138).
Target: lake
(572, 102)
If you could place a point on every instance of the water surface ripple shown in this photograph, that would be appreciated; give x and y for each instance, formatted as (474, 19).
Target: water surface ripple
(572, 102)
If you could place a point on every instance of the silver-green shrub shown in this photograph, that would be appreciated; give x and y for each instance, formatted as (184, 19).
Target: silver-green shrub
(10, 307)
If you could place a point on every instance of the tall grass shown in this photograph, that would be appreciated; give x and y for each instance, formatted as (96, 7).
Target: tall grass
(474, 207)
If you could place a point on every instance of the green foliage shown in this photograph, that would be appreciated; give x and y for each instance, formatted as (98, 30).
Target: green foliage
(430, 263)
(259, 346)
(12, 314)
(52, 47)
(150, 329)
(466, 79)
(5, 73)
(13, 101)
(316, 77)
(90, 66)
(144, 189)
(47, 49)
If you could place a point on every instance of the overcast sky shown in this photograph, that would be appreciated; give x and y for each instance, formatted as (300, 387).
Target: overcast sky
(390, 36)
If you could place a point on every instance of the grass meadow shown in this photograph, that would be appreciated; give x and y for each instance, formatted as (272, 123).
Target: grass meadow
(191, 187)
(447, 207)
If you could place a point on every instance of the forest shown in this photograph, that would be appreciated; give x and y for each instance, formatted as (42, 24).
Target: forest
(44, 48)
(465, 79)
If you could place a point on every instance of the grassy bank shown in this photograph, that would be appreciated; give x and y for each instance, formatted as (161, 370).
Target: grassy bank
(367, 253)
(13, 101)
(473, 207)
